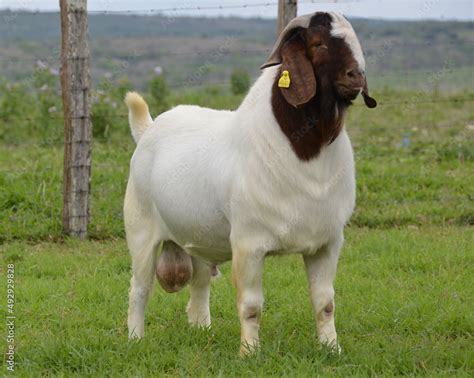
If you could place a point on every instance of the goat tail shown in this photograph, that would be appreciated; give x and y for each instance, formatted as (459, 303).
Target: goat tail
(138, 114)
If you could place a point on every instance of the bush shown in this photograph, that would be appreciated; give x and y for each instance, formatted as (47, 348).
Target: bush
(240, 81)
(159, 94)
(106, 104)
(31, 108)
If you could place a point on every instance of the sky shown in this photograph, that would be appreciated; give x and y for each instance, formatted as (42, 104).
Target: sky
(383, 9)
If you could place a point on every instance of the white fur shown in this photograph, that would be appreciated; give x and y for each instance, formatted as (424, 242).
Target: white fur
(210, 172)
(139, 116)
(342, 28)
(227, 185)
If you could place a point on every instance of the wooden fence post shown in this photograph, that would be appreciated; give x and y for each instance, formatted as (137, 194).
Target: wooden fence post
(75, 85)
(287, 10)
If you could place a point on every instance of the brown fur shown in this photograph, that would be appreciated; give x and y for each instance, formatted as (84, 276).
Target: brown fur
(312, 118)
(311, 126)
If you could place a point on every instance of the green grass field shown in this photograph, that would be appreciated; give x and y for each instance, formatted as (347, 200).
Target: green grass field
(405, 302)
(404, 307)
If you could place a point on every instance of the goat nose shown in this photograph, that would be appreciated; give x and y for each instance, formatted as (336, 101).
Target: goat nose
(354, 74)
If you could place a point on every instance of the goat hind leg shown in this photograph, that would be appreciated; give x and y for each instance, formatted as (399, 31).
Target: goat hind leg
(142, 240)
(200, 286)
(141, 285)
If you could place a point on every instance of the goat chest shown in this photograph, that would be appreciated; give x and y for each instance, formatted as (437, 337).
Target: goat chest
(283, 205)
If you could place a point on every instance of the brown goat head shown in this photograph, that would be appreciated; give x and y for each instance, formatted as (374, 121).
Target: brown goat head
(327, 72)
(317, 47)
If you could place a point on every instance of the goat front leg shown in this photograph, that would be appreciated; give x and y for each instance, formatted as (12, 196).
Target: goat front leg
(247, 269)
(321, 271)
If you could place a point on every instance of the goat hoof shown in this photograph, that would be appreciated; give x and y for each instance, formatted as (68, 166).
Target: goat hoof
(248, 350)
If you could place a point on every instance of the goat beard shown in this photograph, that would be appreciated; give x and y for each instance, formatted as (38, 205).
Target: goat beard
(327, 109)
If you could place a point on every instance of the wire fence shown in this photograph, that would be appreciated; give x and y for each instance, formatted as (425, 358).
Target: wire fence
(399, 75)
(197, 8)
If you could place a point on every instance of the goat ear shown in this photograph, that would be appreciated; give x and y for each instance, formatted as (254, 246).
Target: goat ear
(302, 79)
(294, 26)
(369, 101)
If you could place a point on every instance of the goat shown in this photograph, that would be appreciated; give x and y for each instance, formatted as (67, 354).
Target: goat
(274, 177)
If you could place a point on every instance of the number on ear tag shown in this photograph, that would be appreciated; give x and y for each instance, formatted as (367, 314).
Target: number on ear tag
(284, 81)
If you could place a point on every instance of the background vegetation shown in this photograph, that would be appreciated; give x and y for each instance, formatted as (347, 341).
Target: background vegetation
(404, 294)
(200, 51)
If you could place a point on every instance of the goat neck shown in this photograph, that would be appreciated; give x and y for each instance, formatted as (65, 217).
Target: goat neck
(311, 126)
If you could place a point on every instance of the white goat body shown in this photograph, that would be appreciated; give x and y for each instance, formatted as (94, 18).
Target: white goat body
(237, 185)
(213, 176)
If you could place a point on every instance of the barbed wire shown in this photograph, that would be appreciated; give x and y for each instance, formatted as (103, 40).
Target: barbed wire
(138, 12)
(195, 8)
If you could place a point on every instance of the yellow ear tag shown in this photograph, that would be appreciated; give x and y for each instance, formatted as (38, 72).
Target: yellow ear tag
(284, 81)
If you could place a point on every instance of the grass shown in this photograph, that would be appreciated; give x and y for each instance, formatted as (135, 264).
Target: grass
(409, 157)
(404, 308)
(404, 296)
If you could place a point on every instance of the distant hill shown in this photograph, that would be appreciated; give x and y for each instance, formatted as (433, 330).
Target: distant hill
(201, 51)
